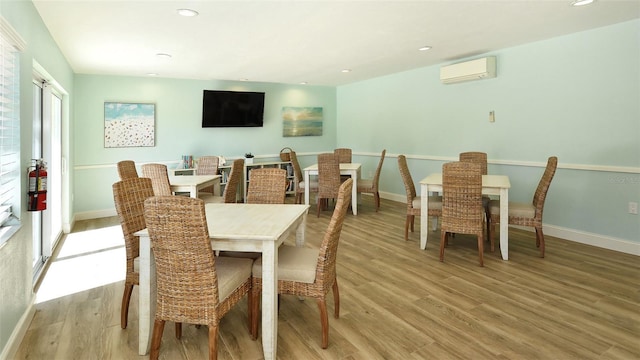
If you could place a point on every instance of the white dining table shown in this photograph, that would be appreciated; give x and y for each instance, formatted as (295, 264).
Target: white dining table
(233, 227)
(350, 169)
(491, 185)
(194, 183)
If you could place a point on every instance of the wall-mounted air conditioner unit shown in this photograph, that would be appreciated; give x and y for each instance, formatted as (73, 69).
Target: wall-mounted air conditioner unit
(469, 70)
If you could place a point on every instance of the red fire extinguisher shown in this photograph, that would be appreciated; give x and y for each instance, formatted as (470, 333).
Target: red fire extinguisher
(37, 186)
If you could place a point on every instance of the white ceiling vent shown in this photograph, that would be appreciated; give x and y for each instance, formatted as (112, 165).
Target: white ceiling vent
(469, 70)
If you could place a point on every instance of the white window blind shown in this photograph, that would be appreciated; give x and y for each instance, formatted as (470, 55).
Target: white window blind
(10, 46)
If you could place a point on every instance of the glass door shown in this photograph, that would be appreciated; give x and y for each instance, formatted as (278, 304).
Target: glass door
(47, 145)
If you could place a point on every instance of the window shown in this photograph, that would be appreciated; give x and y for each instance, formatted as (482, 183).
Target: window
(10, 46)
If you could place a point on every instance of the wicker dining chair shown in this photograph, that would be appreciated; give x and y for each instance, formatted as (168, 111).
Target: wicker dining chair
(159, 178)
(129, 196)
(193, 286)
(267, 186)
(127, 169)
(300, 183)
(230, 193)
(479, 158)
(308, 272)
(462, 211)
(414, 201)
(207, 165)
(328, 179)
(371, 185)
(528, 214)
(344, 155)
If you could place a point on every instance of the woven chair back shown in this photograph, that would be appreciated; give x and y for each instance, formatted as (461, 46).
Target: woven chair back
(476, 157)
(328, 176)
(207, 165)
(543, 186)
(344, 155)
(376, 176)
(462, 210)
(326, 268)
(127, 169)
(230, 194)
(159, 178)
(297, 171)
(267, 186)
(187, 283)
(129, 196)
(409, 186)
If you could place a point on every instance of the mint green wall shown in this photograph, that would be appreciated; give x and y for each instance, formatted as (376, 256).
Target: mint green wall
(16, 284)
(178, 127)
(576, 97)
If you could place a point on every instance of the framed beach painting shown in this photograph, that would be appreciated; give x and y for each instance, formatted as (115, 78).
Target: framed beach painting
(129, 124)
(301, 121)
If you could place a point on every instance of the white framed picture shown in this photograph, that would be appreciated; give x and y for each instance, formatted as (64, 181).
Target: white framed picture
(301, 121)
(129, 124)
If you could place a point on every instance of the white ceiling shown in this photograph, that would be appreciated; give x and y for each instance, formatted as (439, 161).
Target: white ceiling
(304, 41)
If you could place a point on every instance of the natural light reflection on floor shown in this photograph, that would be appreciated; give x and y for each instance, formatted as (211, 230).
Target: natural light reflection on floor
(86, 260)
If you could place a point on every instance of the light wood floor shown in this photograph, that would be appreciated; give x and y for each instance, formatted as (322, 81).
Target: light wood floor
(397, 302)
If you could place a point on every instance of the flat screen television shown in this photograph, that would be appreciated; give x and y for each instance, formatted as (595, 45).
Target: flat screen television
(232, 108)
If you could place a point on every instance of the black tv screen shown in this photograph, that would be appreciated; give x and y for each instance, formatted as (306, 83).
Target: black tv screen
(232, 108)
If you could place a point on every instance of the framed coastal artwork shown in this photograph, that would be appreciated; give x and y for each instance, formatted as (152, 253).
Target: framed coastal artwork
(129, 124)
(301, 121)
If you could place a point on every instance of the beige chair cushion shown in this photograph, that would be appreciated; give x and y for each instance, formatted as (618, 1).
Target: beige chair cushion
(210, 198)
(516, 209)
(241, 254)
(435, 202)
(312, 184)
(136, 264)
(232, 272)
(365, 184)
(294, 264)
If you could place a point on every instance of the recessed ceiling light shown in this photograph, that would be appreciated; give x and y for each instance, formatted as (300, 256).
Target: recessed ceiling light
(303, 83)
(187, 12)
(425, 48)
(346, 70)
(581, 2)
(152, 74)
(163, 55)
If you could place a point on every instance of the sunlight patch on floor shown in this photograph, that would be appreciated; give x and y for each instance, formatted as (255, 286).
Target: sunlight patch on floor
(87, 260)
(85, 242)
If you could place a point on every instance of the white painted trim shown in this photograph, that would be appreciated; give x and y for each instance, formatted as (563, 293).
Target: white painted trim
(583, 167)
(10, 350)
(395, 197)
(96, 214)
(12, 35)
(602, 241)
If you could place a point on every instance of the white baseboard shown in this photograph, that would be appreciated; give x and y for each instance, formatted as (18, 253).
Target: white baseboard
(19, 331)
(602, 241)
(395, 197)
(598, 240)
(95, 214)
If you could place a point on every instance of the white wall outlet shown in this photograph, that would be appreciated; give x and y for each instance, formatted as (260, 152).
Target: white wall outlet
(492, 116)
(633, 208)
